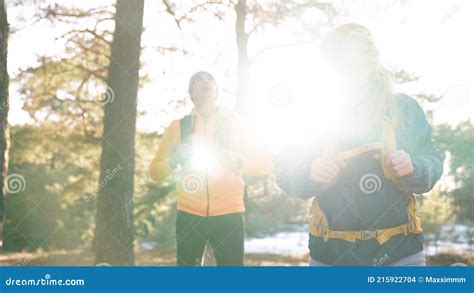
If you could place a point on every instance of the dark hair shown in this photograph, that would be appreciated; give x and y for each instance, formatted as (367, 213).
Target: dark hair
(195, 76)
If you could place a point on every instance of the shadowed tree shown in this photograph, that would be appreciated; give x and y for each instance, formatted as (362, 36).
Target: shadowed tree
(67, 89)
(243, 64)
(114, 218)
(4, 106)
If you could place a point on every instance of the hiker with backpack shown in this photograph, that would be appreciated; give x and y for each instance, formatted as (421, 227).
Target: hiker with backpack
(364, 175)
(212, 154)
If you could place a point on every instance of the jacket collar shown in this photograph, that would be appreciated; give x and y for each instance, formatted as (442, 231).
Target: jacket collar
(195, 113)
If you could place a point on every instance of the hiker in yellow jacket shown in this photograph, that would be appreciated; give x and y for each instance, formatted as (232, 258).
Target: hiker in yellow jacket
(212, 154)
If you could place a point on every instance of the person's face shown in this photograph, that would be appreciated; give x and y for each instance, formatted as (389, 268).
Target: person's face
(204, 90)
(352, 60)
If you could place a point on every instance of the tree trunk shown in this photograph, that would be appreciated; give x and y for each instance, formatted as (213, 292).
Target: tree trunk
(243, 66)
(114, 220)
(4, 106)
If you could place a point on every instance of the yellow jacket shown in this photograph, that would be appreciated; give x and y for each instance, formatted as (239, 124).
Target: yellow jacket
(220, 191)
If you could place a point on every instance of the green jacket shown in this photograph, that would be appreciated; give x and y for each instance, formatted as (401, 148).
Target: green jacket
(350, 209)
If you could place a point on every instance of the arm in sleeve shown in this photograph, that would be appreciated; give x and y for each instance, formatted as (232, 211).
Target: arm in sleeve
(293, 173)
(426, 158)
(160, 168)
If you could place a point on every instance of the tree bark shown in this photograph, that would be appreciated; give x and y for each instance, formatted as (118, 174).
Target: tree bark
(243, 65)
(114, 219)
(4, 107)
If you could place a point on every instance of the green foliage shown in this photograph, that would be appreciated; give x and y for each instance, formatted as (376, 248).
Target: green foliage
(69, 89)
(31, 214)
(59, 168)
(268, 208)
(459, 141)
(435, 211)
(57, 208)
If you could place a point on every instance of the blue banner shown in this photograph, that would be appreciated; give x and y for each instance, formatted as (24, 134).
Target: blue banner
(237, 279)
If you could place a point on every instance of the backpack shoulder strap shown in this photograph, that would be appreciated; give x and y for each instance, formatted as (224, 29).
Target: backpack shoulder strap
(389, 135)
(390, 145)
(186, 128)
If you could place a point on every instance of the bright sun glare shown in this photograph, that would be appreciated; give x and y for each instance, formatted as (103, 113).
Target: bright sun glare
(288, 100)
(203, 158)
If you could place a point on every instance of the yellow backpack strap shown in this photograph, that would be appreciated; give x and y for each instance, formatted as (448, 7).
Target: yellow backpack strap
(359, 150)
(413, 225)
(412, 216)
(318, 225)
(390, 145)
